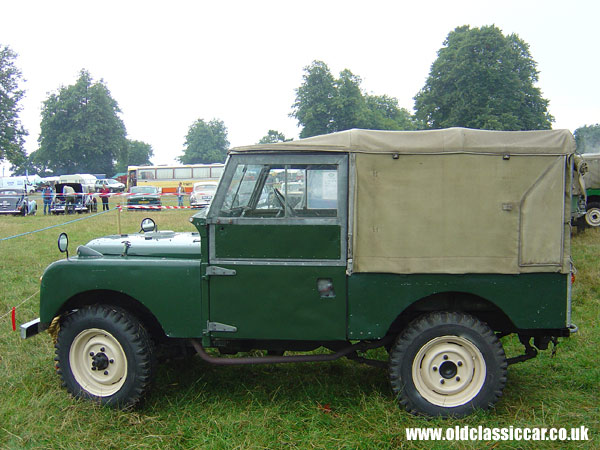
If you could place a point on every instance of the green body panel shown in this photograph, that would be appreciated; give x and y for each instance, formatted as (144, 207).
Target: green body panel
(169, 288)
(277, 241)
(531, 301)
(592, 192)
(279, 302)
(271, 299)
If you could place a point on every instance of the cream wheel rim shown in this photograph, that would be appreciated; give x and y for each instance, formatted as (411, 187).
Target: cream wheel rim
(98, 362)
(449, 371)
(592, 217)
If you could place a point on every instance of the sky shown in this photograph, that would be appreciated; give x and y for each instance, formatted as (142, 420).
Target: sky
(168, 64)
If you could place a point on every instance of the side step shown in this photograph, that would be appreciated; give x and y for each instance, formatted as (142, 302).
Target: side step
(349, 351)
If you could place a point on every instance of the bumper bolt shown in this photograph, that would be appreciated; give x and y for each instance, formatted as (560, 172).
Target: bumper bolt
(442, 381)
(106, 372)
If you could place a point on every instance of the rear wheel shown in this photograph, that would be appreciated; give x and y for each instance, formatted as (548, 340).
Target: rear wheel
(105, 354)
(447, 364)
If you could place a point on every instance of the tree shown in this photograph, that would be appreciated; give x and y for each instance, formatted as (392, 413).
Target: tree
(205, 143)
(483, 79)
(325, 105)
(387, 115)
(350, 108)
(135, 153)
(272, 137)
(313, 107)
(587, 139)
(81, 131)
(12, 133)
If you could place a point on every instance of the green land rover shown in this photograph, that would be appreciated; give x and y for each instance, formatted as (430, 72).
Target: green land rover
(430, 244)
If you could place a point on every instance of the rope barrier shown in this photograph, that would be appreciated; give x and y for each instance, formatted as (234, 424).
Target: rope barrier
(126, 207)
(56, 226)
(12, 311)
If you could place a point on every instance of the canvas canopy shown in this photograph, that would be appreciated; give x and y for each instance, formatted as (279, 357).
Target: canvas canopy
(592, 177)
(454, 200)
(462, 140)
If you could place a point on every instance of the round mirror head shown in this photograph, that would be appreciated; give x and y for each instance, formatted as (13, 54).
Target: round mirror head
(148, 225)
(63, 242)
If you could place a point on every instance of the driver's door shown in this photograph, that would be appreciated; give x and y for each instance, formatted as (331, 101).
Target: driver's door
(277, 248)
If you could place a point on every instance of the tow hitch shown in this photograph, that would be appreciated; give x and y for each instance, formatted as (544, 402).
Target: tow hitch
(530, 352)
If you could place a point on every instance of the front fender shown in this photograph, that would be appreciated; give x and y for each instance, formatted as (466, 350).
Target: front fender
(169, 288)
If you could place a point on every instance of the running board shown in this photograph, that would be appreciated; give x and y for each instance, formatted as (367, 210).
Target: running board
(349, 351)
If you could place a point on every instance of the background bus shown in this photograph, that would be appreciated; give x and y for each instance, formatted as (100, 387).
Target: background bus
(168, 177)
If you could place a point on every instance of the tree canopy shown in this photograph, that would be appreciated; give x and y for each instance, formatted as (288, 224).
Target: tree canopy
(12, 133)
(81, 131)
(483, 79)
(135, 153)
(205, 143)
(587, 139)
(325, 104)
(272, 137)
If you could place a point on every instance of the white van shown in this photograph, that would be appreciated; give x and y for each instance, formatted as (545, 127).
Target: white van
(20, 182)
(87, 181)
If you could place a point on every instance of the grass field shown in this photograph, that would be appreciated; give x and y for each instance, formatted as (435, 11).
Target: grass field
(329, 405)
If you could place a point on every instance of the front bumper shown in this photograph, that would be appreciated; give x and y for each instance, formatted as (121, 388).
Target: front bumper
(32, 328)
(61, 209)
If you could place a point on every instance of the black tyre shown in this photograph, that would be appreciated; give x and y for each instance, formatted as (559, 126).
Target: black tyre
(592, 216)
(105, 354)
(447, 364)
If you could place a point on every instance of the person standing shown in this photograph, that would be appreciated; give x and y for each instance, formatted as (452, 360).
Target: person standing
(180, 192)
(104, 194)
(70, 197)
(47, 196)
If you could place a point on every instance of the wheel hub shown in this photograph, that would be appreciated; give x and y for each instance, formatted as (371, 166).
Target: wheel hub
(449, 371)
(98, 362)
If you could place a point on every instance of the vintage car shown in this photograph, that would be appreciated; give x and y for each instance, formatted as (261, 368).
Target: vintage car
(144, 197)
(15, 201)
(203, 193)
(72, 198)
(112, 185)
(431, 245)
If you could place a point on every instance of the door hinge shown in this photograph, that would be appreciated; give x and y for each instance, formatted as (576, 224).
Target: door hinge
(216, 326)
(219, 271)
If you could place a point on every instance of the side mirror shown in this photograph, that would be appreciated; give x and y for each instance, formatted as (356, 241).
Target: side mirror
(148, 225)
(63, 243)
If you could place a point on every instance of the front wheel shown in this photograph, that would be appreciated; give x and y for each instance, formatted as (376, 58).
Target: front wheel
(105, 354)
(592, 215)
(447, 364)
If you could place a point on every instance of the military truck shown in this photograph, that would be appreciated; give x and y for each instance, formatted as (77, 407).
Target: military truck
(430, 244)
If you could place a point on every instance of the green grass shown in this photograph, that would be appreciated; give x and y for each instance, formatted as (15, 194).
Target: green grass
(330, 405)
